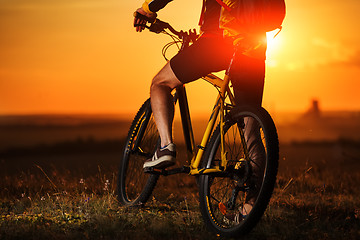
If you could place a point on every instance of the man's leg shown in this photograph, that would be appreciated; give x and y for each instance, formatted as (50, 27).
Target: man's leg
(163, 110)
(248, 82)
(162, 102)
(204, 56)
(257, 155)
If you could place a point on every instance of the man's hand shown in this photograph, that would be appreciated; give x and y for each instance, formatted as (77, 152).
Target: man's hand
(142, 22)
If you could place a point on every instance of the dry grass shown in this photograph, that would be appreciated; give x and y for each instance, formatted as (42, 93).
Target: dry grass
(49, 201)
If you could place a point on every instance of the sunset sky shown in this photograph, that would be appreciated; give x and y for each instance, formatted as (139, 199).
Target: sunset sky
(83, 56)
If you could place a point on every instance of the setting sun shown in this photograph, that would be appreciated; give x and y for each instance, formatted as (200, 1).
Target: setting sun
(274, 40)
(85, 57)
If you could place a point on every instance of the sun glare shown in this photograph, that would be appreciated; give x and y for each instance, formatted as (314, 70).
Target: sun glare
(273, 40)
(273, 43)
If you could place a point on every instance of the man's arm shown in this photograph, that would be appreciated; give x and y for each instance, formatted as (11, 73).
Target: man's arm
(156, 5)
(149, 9)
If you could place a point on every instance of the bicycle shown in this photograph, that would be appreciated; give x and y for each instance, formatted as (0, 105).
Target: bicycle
(223, 162)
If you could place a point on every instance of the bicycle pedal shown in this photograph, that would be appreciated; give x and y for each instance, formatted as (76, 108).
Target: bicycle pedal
(148, 170)
(152, 170)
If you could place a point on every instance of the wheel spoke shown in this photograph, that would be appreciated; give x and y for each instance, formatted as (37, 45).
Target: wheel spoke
(232, 197)
(134, 186)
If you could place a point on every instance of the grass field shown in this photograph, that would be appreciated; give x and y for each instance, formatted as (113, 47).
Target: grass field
(65, 189)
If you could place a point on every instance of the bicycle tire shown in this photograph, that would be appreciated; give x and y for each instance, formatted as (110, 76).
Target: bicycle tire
(134, 187)
(223, 198)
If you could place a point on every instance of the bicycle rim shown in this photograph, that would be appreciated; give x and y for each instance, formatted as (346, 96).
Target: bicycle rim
(135, 186)
(232, 205)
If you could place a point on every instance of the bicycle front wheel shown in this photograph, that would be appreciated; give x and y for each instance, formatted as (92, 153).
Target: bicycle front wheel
(134, 186)
(233, 202)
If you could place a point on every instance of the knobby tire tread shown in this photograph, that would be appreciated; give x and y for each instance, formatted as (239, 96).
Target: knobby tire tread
(268, 184)
(152, 179)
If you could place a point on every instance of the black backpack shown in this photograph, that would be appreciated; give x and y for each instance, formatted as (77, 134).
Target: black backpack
(256, 15)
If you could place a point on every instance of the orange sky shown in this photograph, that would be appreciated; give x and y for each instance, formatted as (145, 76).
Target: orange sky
(83, 56)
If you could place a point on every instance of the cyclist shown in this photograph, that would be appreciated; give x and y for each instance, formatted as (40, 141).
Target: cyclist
(220, 38)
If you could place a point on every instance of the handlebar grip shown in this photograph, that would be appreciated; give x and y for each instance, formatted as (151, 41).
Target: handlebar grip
(143, 17)
(157, 26)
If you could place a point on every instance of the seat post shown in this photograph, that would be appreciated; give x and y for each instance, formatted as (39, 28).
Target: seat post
(185, 119)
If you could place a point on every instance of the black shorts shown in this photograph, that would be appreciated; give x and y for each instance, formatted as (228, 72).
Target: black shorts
(206, 55)
(213, 54)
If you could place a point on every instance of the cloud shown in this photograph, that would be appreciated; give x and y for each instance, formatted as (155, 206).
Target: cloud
(351, 61)
(355, 59)
(323, 53)
(336, 53)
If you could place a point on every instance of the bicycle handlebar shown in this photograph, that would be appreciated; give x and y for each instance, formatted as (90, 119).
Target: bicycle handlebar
(158, 26)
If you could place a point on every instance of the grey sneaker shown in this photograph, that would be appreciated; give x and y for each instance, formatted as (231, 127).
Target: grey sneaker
(162, 158)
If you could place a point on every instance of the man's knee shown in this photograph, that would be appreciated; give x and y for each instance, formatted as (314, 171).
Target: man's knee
(165, 78)
(159, 82)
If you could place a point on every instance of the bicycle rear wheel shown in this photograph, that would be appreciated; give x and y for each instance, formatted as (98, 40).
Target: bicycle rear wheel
(134, 186)
(232, 203)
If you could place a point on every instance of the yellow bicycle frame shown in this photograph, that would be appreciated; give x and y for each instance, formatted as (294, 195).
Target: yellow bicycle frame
(219, 108)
